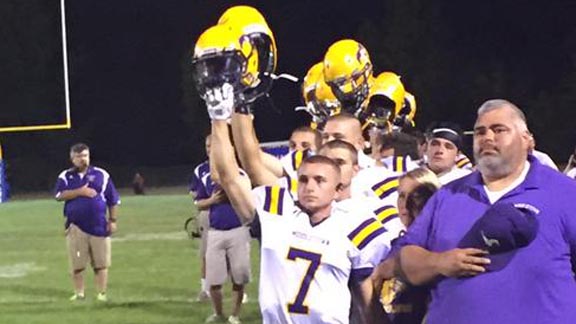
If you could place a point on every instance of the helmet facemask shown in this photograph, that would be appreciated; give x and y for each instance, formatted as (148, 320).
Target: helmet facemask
(352, 91)
(380, 111)
(212, 72)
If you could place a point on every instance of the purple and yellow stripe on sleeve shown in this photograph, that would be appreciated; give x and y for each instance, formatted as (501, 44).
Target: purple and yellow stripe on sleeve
(385, 188)
(464, 162)
(273, 200)
(292, 186)
(297, 158)
(366, 232)
(399, 164)
(386, 213)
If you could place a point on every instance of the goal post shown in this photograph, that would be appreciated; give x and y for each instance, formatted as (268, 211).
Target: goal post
(67, 122)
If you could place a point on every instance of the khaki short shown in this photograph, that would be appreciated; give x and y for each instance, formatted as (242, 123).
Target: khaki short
(83, 247)
(228, 252)
(204, 225)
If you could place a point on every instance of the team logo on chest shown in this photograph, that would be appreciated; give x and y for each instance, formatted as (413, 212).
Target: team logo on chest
(310, 237)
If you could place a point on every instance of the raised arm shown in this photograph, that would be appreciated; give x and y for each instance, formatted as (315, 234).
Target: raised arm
(236, 186)
(262, 169)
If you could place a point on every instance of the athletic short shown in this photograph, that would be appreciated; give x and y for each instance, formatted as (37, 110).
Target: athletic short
(203, 226)
(228, 252)
(83, 247)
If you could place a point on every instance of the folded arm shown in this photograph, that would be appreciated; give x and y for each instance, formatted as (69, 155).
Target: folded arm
(420, 266)
(83, 191)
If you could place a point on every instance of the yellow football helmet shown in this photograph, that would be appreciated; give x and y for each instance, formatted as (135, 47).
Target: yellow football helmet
(385, 100)
(318, 97)
(327, 103)
(405, 118)
(310, 81)
(252, 25)
(223, 55)
(348, 71)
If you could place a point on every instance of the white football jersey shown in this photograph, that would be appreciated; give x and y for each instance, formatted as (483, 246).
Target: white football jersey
(376, 182)
(291, 161)
(455, 173)
(364, 161)
(290, 183)
(463, 162)
(387, 215)
(399, 164)
(305, 269)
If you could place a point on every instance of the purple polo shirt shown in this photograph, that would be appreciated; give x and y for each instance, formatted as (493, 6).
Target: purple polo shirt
(89, 214)
(200, 171)
(538, 284)
(222, 216)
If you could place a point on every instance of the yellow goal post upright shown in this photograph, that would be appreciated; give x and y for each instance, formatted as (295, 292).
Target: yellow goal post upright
(3, 183)
(67, 123)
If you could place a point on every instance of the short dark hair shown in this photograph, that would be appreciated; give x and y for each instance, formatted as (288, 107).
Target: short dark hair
(417, 134)
(79, 147)
(402, 143)
(337, 143)
(308, 129)
(320, 159)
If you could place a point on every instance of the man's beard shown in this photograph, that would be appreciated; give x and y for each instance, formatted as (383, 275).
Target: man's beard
(491, 166)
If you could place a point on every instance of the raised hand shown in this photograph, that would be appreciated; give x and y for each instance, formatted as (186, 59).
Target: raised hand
(220, 102)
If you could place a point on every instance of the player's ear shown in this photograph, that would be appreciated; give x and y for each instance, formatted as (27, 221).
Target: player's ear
(339, 187)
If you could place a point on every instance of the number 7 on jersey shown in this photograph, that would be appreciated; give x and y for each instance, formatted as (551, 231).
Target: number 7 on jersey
(298, 306)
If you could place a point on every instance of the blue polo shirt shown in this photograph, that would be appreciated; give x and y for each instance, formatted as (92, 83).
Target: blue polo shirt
(538, 284)
(89, 214)
(222, 216)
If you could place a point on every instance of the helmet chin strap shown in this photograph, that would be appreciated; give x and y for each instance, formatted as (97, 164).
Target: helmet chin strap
(284, 76)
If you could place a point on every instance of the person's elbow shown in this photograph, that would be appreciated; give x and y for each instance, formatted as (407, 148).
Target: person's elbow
(413, 265)
(59, 196)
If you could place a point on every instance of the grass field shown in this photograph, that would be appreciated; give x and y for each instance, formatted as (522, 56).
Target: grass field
(154, 276)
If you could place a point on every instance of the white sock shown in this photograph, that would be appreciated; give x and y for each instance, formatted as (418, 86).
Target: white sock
(203, 284)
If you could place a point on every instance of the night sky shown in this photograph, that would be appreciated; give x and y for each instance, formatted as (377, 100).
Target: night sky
(130, 96)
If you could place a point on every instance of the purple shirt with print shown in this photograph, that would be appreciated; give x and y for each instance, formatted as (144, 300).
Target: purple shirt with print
(538, 284)
(222, 216)
(89, 214)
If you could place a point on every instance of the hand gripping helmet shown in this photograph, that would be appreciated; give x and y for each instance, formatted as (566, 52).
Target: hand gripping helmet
(224, 56)
(348, 70)
(405, 118)
(251, 24)
(385, 100)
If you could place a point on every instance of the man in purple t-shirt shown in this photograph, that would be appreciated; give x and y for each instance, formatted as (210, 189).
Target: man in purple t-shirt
(536, 282)
(88, 194)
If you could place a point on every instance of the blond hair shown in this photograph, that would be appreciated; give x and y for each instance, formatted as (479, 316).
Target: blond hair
(422, 175)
